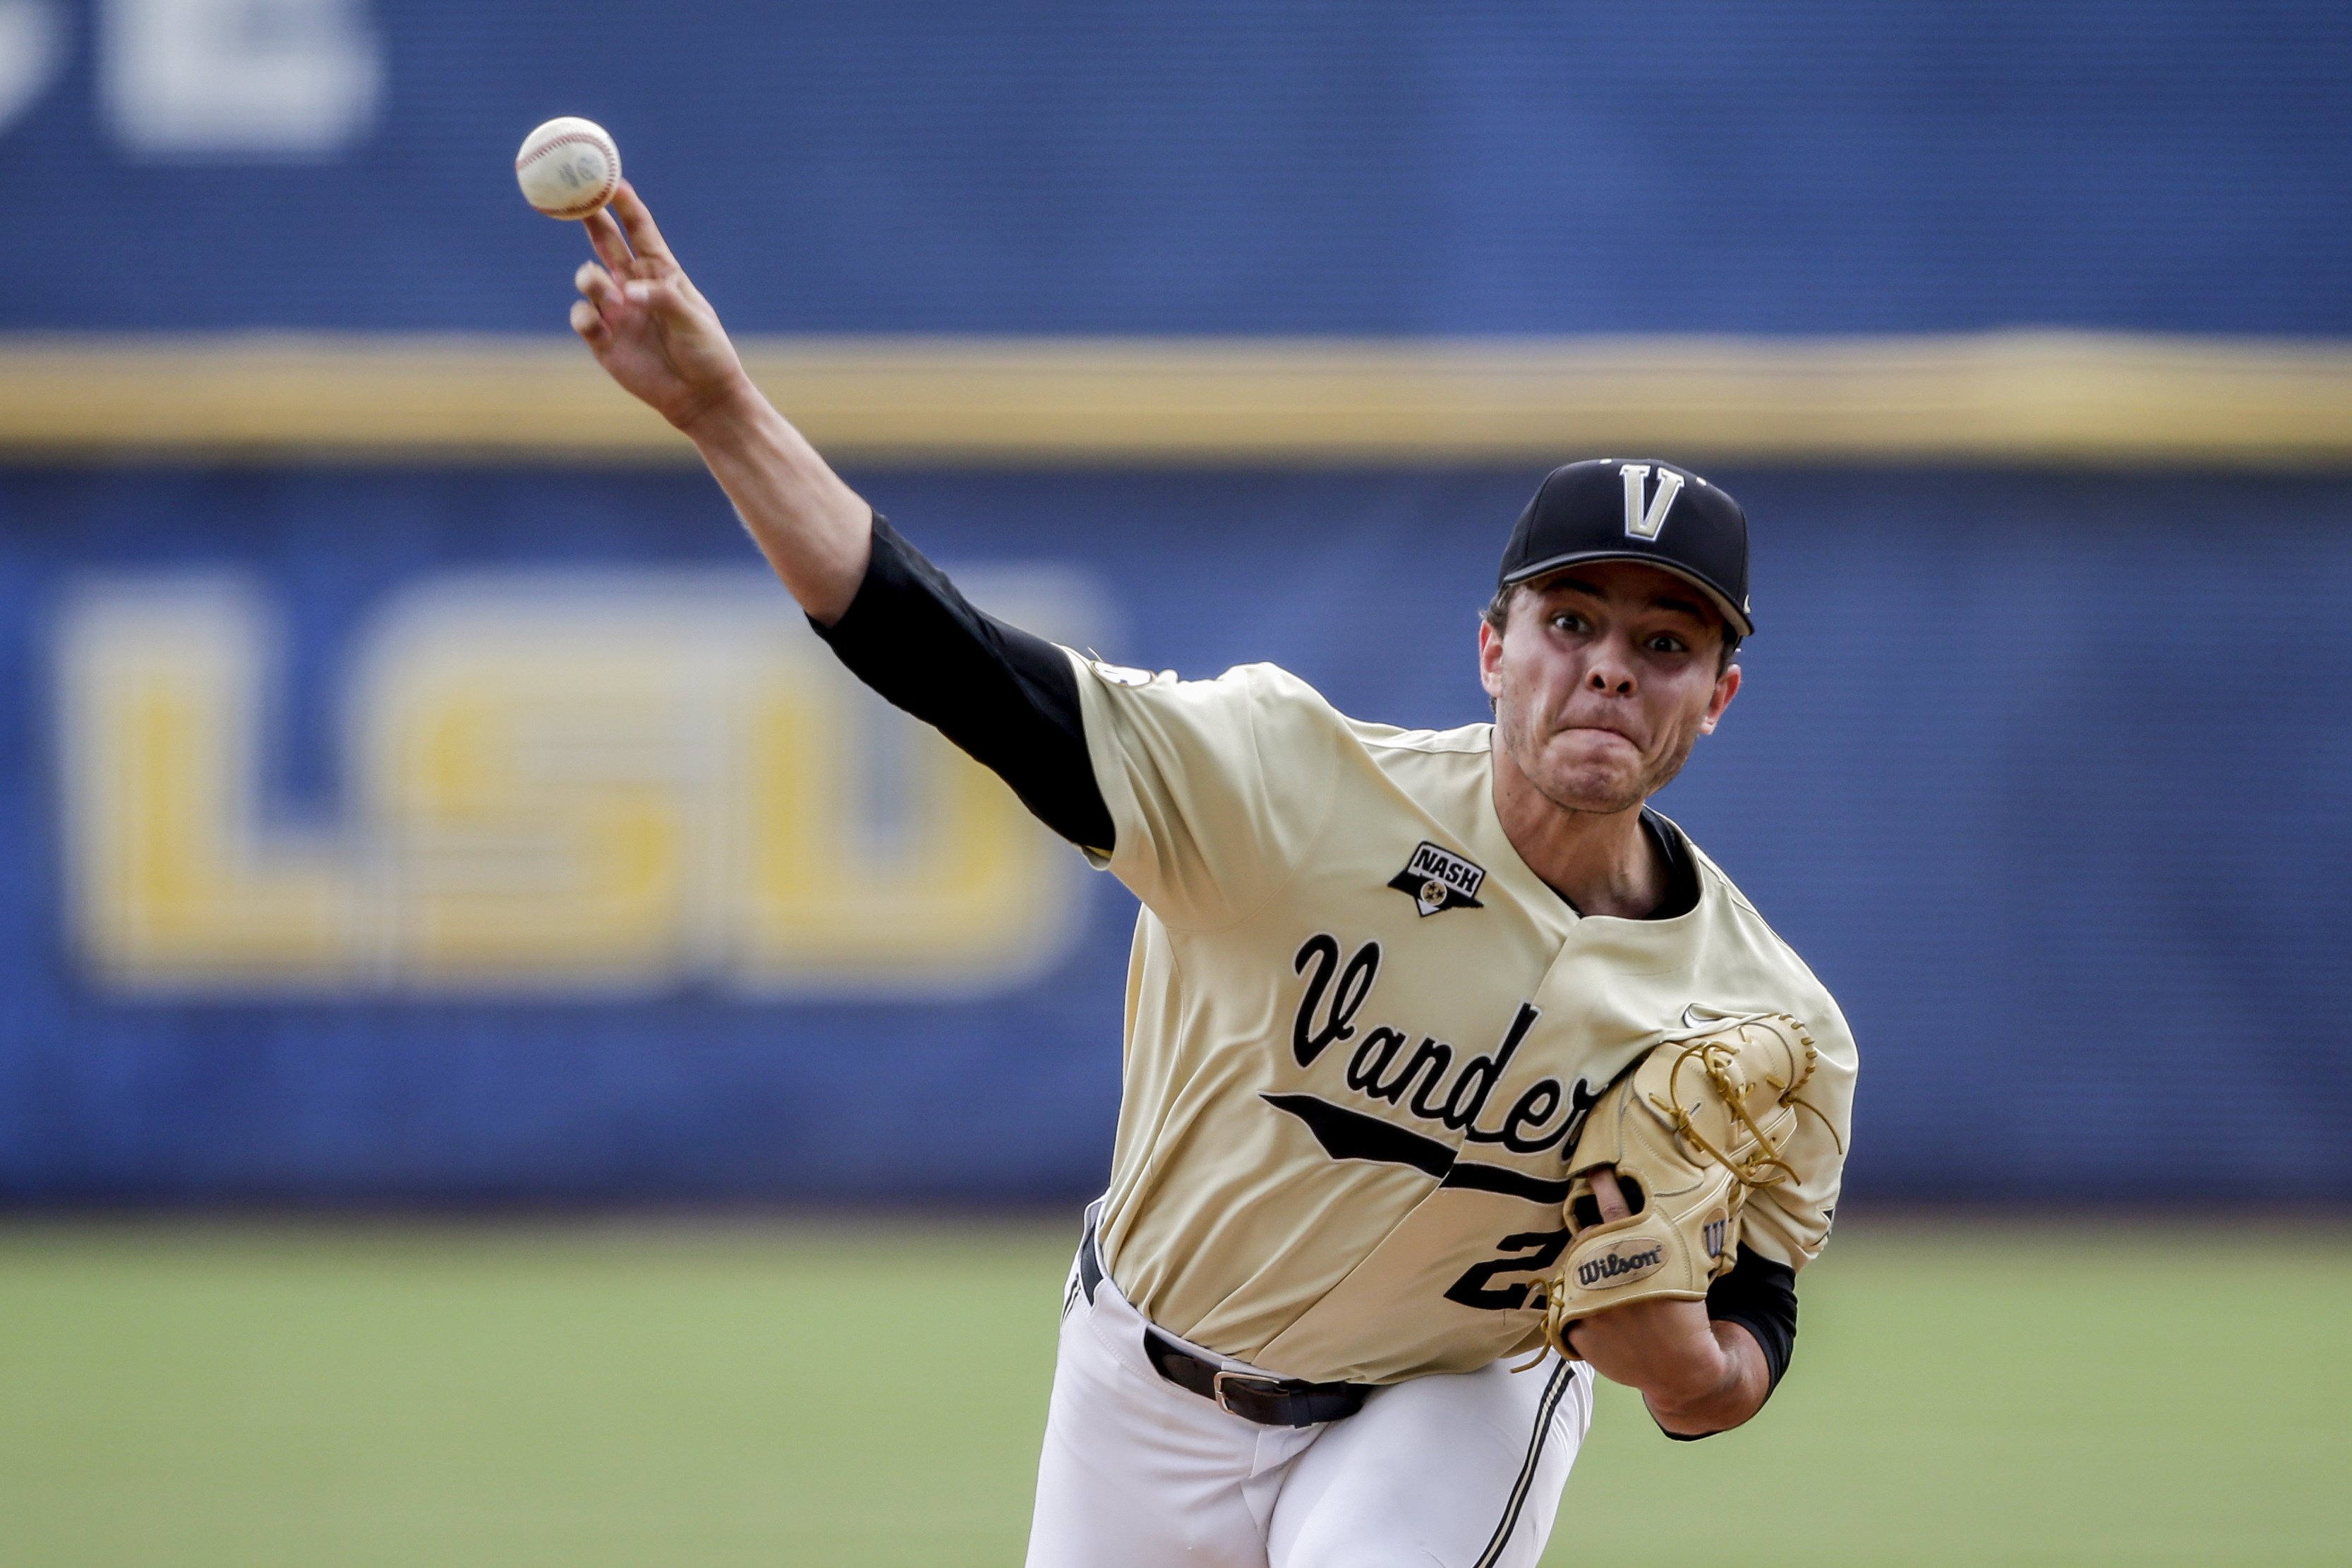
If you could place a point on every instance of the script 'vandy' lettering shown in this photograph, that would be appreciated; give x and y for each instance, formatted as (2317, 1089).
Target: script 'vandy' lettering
(1420, 1083)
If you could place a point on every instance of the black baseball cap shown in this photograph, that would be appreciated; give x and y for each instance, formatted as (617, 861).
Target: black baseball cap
(1637, 509)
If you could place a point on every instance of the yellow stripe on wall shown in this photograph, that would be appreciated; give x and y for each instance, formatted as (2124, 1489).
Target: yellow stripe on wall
(2029, 397)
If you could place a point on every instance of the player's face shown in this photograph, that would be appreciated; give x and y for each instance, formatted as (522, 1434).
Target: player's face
(1605, 679)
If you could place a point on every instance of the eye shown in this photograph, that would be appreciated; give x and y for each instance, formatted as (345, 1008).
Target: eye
(1568, 621)
(1666, 642)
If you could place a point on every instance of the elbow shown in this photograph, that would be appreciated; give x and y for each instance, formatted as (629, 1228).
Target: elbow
(1689, 1423)
(1703, 1407)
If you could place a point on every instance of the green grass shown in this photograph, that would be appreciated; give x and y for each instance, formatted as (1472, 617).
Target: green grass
(2071, 1396)
(187, 1397)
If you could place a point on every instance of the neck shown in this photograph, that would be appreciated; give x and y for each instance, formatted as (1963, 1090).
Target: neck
(1602, 863)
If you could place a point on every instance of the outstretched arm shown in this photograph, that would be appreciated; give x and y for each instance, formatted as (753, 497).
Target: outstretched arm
(1009, 698)
(655, 333)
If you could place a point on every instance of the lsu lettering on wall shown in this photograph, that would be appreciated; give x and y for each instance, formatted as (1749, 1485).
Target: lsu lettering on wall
(555, 782)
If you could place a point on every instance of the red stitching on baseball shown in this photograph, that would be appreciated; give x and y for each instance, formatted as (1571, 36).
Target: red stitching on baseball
(602, 144)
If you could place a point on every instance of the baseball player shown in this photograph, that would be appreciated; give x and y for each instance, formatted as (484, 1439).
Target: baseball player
(1381, 981)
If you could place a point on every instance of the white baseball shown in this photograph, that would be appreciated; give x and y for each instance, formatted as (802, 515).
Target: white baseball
(567, 168)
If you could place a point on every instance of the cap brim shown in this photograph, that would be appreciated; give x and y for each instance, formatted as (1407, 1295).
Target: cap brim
(1735, 615)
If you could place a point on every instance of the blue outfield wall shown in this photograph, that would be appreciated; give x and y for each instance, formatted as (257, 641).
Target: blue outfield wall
(1340, 167)
(2044, 773)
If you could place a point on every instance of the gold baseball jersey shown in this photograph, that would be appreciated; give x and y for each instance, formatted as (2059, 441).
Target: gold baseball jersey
(1361, 1033)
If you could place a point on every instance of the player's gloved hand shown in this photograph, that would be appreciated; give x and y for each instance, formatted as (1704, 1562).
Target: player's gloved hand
(1696, 1376)
(648, 324)
(1684, 1135)
(1659, 1176)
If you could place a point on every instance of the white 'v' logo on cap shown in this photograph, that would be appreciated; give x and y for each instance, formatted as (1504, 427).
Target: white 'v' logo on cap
(1645, 522)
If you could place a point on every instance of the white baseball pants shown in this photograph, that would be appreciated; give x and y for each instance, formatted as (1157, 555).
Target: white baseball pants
(1459, 1471)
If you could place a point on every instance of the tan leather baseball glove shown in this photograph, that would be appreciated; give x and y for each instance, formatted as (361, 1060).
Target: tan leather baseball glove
(1695, 1127)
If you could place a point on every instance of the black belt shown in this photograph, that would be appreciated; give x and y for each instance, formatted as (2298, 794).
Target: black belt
(1252, 1395)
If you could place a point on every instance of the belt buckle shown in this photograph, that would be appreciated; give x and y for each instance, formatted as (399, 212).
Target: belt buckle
(1269, 1387)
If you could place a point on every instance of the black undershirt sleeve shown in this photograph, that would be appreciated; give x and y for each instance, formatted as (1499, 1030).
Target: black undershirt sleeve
(1007, 696)
(1760, 1296)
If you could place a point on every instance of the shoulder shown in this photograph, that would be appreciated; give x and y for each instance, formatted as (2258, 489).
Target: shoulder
(1256, 731)
(1469, 739)
(1264, 702)
(1266, 715)
(1747, 941)
(1252, 683)
(1217, 789)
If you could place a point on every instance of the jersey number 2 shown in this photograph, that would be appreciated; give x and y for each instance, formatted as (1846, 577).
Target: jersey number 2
(1537, 1251)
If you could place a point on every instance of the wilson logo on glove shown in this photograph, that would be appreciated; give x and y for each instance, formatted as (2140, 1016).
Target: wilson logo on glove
(1620, 1267)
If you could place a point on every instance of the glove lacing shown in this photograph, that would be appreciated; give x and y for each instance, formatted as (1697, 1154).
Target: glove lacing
(1762, 1168)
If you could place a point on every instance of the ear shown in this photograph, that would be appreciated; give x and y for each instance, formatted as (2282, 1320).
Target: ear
(1727, 687)
(1490, 658)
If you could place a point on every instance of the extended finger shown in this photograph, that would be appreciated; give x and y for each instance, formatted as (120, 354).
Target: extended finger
(644, 238)
(605, 235)
(663, 300)
(597, 286)
(1608, 1194)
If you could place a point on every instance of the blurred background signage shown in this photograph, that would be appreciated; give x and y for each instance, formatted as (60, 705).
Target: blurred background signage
(416, 799)
(265, 79)
(558, 782)
(411, 786)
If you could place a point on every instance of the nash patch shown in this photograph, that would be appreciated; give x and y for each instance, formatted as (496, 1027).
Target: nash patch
(1439, 879)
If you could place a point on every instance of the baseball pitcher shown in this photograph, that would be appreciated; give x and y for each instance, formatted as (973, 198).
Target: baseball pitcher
(1453, 1075)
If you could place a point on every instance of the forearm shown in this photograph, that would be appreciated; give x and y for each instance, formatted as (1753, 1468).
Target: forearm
(1715, 1393)
(655, 334)
(812, 527)
(1009, 698)
(1697, 1376)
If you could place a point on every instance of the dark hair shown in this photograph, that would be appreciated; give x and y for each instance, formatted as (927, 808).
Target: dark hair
(1497, 615)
